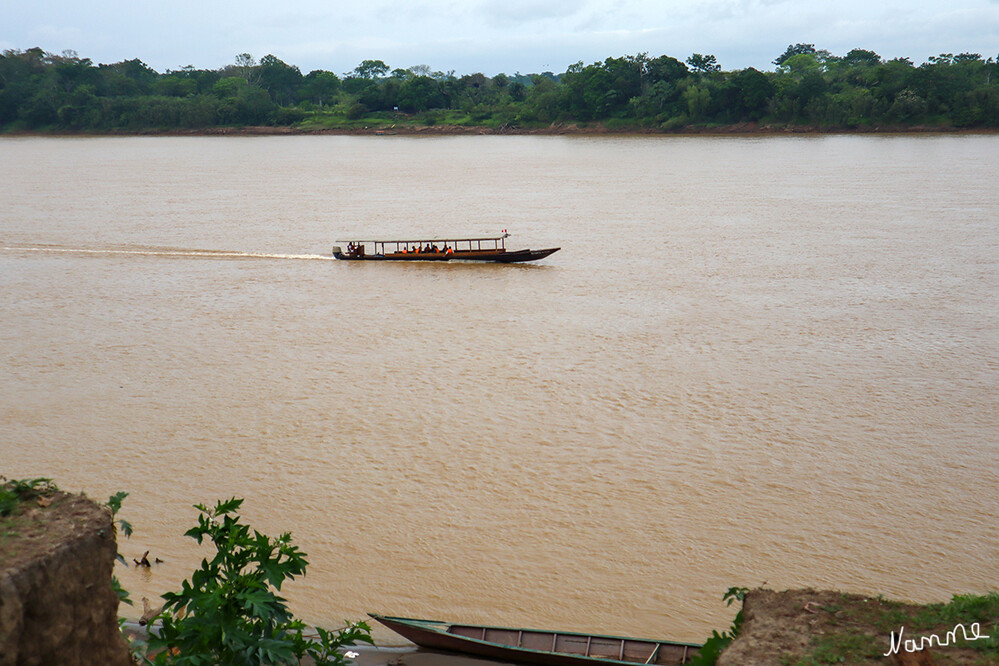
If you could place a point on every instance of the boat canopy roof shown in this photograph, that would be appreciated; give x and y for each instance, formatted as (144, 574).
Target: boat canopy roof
(428, 239)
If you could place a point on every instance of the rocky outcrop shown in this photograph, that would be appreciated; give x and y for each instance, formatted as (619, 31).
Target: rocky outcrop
(56, 602)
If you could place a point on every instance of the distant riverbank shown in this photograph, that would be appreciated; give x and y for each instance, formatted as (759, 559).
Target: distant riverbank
(555, 129)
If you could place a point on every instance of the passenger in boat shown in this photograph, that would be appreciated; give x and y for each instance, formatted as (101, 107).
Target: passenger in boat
(429, 248)
(436, 249)
(448, 250)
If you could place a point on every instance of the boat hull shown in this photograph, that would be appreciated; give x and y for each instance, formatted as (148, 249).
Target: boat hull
(512, 257)
(546, 648)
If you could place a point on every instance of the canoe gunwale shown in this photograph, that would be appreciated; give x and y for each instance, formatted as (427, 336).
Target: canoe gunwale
(437, 635)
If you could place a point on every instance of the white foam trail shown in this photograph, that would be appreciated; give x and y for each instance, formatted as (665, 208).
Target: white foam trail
(226, 254)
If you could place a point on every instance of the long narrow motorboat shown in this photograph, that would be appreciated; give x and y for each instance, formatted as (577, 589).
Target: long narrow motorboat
(532, 646)
(439, 249)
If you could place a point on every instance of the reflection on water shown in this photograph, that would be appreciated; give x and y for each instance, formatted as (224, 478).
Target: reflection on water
(753, 360)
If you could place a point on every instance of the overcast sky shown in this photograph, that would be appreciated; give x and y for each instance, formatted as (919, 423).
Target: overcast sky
(491, 36)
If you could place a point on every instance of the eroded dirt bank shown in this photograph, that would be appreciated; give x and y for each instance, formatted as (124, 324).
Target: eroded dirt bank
(57, 552)
(817, 627)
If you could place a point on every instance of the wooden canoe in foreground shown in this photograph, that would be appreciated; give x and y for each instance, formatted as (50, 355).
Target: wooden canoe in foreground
(532, 646)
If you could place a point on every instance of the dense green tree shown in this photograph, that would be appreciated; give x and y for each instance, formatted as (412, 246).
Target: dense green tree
(518, 91)
(251, 106)
(659, 99)
(544, 101)
(798, 66)
(861, 58)
(697, 98)
(81, 109)
(474, 89)
(811, 85)
(370, 69)
(71, 71)
(245, 67)
(279, 79)
(602, 89)
(229, 86)
(906, 107)
(41, 109)
(130, 77)
(892, 77)
(390, 90)
(703, 63)
(587, 91)
(625, 77)
(420, 93)
(204, 78)
(355, 85)
(794, 50)
(665, 68)
(753, 92)
(319, 86)
(175, 86)
(852, 107)
(947, 82)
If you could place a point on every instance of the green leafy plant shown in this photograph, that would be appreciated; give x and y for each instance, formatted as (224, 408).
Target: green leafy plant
(15, 491)
(713, 647)
(114, 504)
(229, 612)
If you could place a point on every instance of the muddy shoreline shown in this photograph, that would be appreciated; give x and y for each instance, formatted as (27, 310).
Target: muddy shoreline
(556, 129)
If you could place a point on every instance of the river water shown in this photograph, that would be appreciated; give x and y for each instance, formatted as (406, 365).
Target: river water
(754, 360)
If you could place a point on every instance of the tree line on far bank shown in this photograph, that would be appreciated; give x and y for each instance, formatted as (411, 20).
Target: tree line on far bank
(40, 91)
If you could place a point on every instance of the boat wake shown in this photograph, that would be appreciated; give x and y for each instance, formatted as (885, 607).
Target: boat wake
(161, 252)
